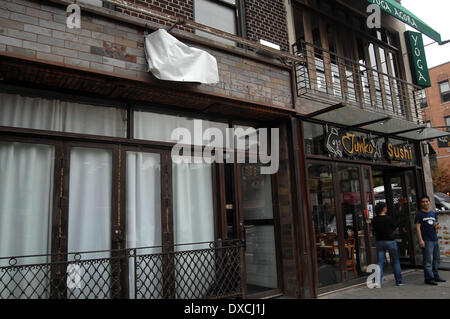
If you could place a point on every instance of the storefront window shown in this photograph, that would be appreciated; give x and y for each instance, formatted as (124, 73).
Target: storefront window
(26, 190)
(352, 212)
(159, 127)
(61, 116)
(321, 192)
(364, 247)
(90, 215)
(192, 203)
(143, 189)
(314, 135)
(193, 222)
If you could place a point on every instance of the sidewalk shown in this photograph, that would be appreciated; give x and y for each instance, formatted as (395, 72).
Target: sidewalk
(414, 288)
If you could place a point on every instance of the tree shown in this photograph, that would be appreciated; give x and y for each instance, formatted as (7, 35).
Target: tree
(441, 179)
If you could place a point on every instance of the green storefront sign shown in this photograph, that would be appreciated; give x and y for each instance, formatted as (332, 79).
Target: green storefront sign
(398, 11)
(417, 59)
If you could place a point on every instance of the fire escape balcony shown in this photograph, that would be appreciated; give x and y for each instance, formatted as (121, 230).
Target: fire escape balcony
(329, 78)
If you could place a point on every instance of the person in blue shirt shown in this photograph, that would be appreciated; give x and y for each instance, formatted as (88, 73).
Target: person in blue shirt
(426, 225)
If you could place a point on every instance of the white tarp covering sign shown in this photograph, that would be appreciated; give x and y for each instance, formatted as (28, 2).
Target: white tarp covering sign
(171, 60)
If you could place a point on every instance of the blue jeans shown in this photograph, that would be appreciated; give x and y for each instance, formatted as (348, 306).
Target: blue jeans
(391, 246)
(431, 260)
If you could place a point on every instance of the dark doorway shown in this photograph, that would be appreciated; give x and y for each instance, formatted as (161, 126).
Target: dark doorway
(398, 189)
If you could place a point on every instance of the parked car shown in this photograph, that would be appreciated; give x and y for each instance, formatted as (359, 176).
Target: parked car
(442, 201)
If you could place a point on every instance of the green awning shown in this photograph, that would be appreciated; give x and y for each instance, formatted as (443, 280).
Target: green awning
(398, 11)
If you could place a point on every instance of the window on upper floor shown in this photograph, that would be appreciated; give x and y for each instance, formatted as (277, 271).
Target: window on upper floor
(98, 3)
(444, 90)
(347, 59)
(447, 123)
(423, 99)
(218, 14)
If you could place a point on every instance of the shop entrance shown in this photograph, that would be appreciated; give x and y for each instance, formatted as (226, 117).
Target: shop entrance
(248, 214)
(342, 202)
(397, 188)
(340, 196)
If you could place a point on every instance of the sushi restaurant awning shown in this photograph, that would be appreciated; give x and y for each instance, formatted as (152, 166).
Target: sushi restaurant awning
(356, 118)
(398, 11)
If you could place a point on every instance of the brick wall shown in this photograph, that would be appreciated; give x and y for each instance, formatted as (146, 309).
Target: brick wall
(37, 30)
(436, 111)
(178, 8)
(266, 19)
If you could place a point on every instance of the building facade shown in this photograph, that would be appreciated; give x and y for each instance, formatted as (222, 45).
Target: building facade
(93, 206)
(436, 112)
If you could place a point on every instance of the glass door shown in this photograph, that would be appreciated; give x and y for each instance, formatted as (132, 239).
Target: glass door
(369, 248)
(340, 197)
(89, 225)
(193, 229)
(352, 210)
(325, 224)
(412, 192)
(144, 219)
(398, 208)
(259, 227)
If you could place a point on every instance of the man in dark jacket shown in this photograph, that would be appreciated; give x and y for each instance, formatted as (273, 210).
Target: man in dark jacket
(383, 228)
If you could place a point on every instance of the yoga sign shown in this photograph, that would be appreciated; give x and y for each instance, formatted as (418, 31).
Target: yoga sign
(417, 59)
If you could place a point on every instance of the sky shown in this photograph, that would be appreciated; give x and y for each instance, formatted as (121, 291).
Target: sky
(435, 13)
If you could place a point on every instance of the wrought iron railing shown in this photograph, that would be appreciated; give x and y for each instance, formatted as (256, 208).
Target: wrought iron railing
(328, 77)
(189, 271)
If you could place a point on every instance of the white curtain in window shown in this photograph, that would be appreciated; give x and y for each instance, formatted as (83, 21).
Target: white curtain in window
(62, 116)
(90, 218)
(26, 200)
(144, 221)
(159, 127)
(193, 222)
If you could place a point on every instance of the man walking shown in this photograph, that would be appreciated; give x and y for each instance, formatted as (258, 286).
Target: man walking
(426, 224)
(384, 227)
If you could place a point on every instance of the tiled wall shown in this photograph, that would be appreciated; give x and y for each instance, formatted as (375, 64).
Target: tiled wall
(37, 30)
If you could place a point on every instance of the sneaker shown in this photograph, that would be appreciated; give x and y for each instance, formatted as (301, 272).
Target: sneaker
(431, 282)
(377, 286)
(439, 280)
(400, 284)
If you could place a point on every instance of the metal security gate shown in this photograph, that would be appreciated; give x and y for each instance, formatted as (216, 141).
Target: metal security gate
(190, 271)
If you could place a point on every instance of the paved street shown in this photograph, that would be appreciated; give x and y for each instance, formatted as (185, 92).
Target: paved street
(414, 288)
